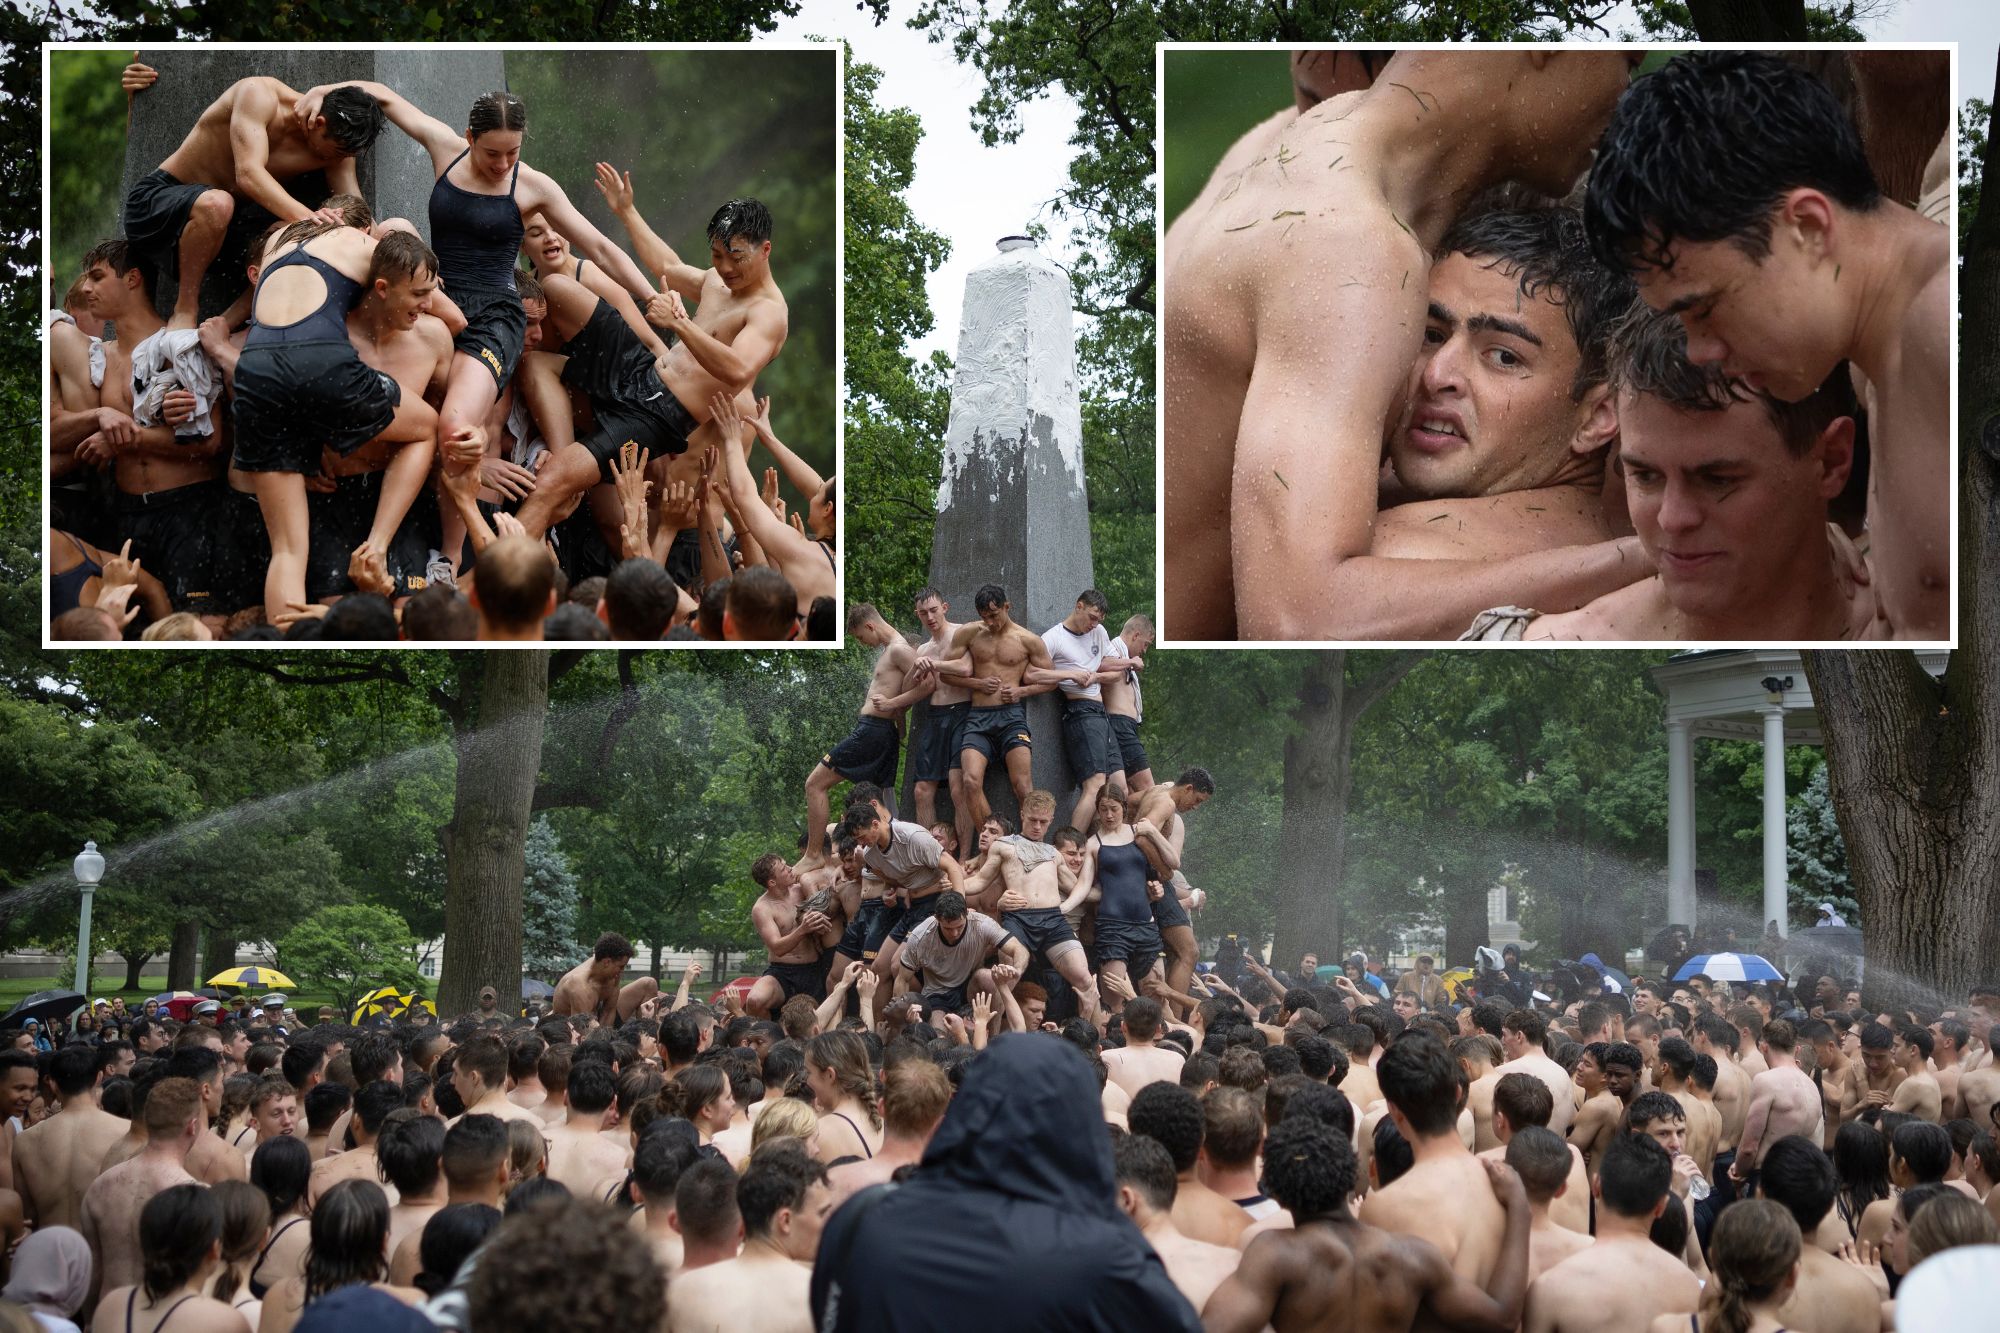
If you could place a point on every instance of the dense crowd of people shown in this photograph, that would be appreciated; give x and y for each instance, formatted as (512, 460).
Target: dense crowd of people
(372, 438)
(1291, 1150)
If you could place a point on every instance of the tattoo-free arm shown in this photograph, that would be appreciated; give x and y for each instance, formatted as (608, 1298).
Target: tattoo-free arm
(584, 235)
(250, 145)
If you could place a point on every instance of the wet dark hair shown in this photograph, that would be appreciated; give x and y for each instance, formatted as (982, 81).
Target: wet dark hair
(1548, 255)
(1172, 1116)
(349, 1224)
(1308, 1167)
(353, 118)
(1648, 357)
(990, 595)
(1706, 148)
(1420, 1079)
(1144, 1165)
(1800, 1178)
(741, 217)
(452, 1234)
(281, 1167)
(778, 1177)
(401, 255)
(176, 1227)
(1635, 1175)
(410, 1149)
(1924, 1148)
(496, 111)
(640, 598)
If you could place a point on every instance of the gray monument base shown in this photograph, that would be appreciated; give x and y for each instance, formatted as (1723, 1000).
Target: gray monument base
(396, 175)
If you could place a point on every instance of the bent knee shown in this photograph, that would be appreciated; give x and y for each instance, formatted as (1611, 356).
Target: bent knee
(214, 206)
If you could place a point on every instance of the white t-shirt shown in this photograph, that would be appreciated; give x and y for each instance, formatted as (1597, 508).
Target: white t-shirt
(1070, 651)
(1117, 648)
(944, 965)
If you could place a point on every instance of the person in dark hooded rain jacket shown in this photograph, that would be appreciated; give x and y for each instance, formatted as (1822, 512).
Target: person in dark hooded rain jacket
(1010, 1222)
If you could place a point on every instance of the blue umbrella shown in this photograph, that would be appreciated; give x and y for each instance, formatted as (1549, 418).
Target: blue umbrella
(1729, 967)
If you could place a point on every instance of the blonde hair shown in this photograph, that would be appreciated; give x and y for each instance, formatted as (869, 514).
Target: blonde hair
(527, 1150)
(1947, 1222)
(785, 1118)
(179, 625)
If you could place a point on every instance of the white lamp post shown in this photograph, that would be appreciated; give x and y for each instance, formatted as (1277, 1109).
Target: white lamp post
(89, 867)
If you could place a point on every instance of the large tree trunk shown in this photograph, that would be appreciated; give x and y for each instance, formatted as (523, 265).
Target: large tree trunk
(1465, 924)
(135, 963)
(1312, 839)
(1749, 20)
(185, 956)
(499, 746)
(1914, 762)
(218, 952)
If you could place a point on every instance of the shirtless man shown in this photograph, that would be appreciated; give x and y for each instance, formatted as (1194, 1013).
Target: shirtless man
(579, 1154)
(274, 1114)
(1919, 1093)
(1166, 807)
(996, 657)
(935, 756)
(1873, 1079)
(1608, 1090)
(870, 752)
(225, 183)
(1439, 1198)
(1715, 1038)
(591, 987)
(1781, 256)
(1521, 1036)
(1623, 1280)
(372, 1105)
(1545, 1164)
(1948, 1041)
(1331, 1271)
(1832, 1295)
(55, 1161)
(1031, 908)
(784, 1201)
(1274, 427)
(1172, 1116)
(637, 386)
(1728, 490)
(210, 1160)
(1475, 1059)
(1142, 1059)
(1673, 1074)
(111, 1206)
(1146, 1187)
(1124, 702)
(794, 940)
(1783, 1101)
(479, 1073)
(170, 494)
(1522, 1101)
(1830, 1064)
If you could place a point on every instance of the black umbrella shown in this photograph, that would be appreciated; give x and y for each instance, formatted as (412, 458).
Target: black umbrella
(45, 1005)
(532, 989)
(1839, 941)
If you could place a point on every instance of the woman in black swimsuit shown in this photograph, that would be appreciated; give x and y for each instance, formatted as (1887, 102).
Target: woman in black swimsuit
(350, 1246)
(180, 1230)
(484, 194)
(281, 1168)
(1754, 1261)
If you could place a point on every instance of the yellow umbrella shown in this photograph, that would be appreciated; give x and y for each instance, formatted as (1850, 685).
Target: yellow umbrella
(1454, 980)
(254, 978)
(376, 1004)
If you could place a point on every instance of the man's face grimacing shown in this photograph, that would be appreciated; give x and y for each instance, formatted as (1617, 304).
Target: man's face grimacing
(1777, 322)
(1722, 504)
(1489, 406)
(739, 261)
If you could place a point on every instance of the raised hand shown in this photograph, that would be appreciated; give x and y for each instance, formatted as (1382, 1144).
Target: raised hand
(120, 568)
(680, 506)
(770, 492)
(798, 524)
(510, 479)
(867, 982)
(506, 525)
(116, 598)
(369, 569)
(761, 418)
(615, 186)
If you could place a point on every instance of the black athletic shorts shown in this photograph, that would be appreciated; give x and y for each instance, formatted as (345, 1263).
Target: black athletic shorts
(85, 504)
(948, 1000)
(1087, 739)
(340, 522)
(242, 551)
(609, 363)
(918, 912)
(173, 538)
(156, 212)
(937, 752)
(800, 978)
(868, 754)
(865, 932)
(1131, 753)
(1039, 929)
(1133, 943)
(1167, 910)
(683, 557)
(294, 398)
(994, 731)
(496, 328)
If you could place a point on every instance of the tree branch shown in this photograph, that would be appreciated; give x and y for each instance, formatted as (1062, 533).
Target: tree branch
(1366, 694)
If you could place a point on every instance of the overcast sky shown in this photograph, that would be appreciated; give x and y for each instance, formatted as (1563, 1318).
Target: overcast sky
(971, 194)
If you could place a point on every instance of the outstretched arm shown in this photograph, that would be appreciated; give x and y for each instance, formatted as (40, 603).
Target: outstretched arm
(250, 144)
(440, 140)
(766, 528)
(542, 192)
(675, 273)
(804, 478)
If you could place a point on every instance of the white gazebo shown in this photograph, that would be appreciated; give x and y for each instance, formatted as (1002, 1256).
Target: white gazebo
(1740, 694)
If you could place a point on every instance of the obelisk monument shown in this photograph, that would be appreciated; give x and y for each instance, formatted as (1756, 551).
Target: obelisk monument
(1011, 507)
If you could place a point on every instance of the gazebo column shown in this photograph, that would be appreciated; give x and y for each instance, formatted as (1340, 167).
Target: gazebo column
(1774, 819)
(1680, 825)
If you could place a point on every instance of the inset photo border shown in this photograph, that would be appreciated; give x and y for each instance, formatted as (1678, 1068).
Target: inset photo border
(1546, 344)
(571, 316)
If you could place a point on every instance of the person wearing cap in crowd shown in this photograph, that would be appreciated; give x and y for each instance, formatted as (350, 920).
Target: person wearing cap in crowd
(207, 1012)
(489, 1003)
